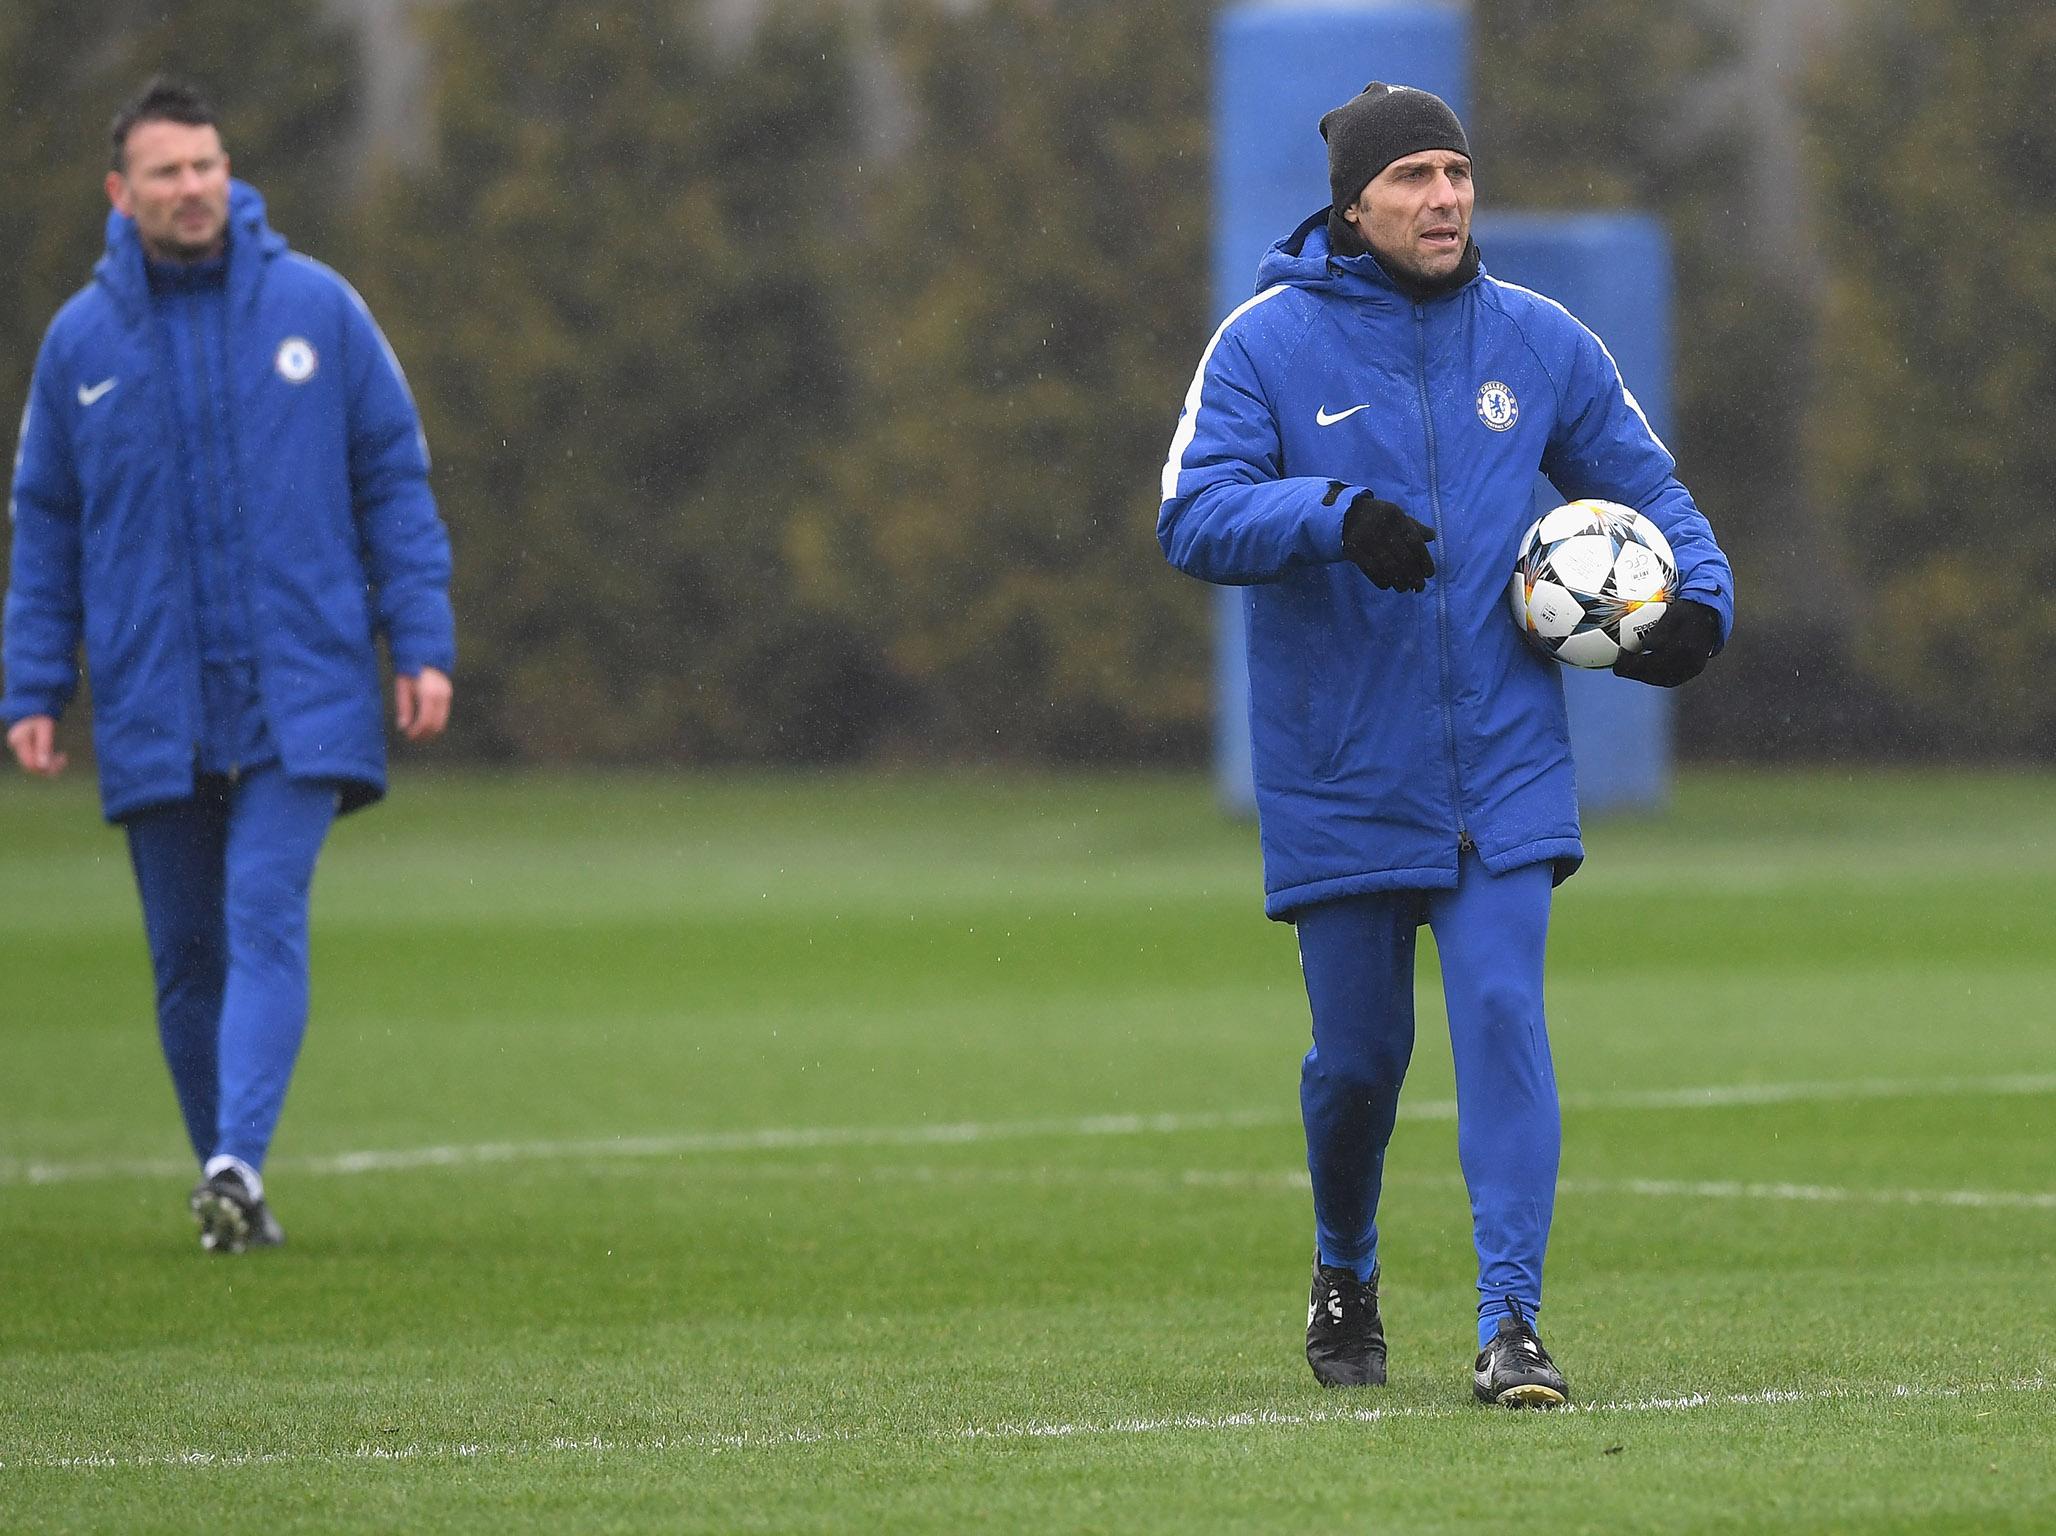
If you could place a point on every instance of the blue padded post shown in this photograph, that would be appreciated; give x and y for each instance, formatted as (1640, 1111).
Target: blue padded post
(1277, 68)
(1611, 270)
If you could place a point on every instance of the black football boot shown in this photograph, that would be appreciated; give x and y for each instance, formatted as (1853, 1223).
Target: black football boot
(1515, 1371)
(231, 1217)
(1345, 1338)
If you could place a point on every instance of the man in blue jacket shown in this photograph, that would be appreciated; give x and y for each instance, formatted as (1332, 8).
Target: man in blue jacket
(222, 494)
(1358, 451)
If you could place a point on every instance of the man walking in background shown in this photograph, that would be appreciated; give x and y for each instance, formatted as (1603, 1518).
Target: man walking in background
(222, 493)
(1358, 449)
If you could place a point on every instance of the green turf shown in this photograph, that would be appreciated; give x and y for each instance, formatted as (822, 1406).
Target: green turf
(761, 1284)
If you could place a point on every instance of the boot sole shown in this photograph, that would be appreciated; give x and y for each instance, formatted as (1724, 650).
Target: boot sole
(1527, 1397)
(223, 1226)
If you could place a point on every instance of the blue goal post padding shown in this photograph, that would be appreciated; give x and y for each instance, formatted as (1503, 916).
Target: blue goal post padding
(1611, 270)
(1277, 68)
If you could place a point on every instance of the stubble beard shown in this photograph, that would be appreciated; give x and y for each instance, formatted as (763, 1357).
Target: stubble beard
(183, 254)
(1410, 265)
(171, 249)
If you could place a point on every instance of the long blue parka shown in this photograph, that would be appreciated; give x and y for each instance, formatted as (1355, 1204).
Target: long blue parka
(1390, 730)
(340, 541)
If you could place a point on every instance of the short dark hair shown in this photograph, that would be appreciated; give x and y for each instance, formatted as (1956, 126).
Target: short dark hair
(161, 100)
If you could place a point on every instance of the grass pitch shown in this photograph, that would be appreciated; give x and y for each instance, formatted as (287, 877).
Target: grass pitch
(866, 1155)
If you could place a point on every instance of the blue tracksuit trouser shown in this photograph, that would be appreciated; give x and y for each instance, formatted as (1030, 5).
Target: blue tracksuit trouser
(225, 877)
(1358, 958)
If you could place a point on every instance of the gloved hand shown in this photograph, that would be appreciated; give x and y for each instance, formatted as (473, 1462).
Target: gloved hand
(1676, 648)
(1380, 540)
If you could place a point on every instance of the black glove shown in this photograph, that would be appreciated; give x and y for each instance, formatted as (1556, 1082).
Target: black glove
(1380, 540)
(1676, 648)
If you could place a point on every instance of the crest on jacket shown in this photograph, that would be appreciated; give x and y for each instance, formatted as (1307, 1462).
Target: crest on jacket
(1497, 407)
(296, 360)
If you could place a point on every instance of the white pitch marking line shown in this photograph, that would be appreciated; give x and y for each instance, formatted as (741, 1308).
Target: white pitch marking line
(1850, 1091)
(1769, 1397)
(1259, 1419)
(805, 1138)
(1295, 1179)
(1827, 1194)
(772, 1139)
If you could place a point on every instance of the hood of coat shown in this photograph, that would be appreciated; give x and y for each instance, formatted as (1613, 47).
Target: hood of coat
(1306, 258)
(251, 242)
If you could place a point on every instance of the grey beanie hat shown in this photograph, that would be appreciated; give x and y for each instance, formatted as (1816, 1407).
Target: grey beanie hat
(1384, 123)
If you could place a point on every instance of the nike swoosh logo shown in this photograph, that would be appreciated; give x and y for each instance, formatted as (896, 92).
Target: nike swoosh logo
(92, 395)
(1321, 415)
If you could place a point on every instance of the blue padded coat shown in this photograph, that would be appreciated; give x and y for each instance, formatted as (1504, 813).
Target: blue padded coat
(340, 538)
(1391, 730)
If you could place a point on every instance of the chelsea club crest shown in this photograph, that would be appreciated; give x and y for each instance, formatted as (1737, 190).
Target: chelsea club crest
(296, 360)
(1497, 407)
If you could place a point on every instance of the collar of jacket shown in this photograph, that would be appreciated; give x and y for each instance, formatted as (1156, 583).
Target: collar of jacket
(175, 276)
(251, 242)
(1305, 259)
(1345, 244)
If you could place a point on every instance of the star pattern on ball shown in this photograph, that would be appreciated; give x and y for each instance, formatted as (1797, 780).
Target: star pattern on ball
(1589, 577)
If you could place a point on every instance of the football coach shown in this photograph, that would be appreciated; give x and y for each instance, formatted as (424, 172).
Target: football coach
(222, 494)
(1358, 451)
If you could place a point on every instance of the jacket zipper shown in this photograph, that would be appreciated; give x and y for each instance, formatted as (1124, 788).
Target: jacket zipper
(167, 372)
(211, 544)
(1463, 834)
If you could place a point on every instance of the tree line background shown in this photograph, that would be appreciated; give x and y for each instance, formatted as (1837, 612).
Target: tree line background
(800, 396)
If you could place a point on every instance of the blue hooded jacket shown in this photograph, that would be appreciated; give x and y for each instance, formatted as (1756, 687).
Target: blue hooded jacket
(340, 538)
(1390, 730)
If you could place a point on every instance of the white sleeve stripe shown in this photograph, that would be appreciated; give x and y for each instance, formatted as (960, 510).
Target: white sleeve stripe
(392, 358)
(21, 448)
(393, 362)
(1633, 404)
(1188, 417)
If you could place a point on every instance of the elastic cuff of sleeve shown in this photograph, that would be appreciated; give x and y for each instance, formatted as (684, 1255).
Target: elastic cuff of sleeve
(14, 711)
(1326, 524)
(1717, 600)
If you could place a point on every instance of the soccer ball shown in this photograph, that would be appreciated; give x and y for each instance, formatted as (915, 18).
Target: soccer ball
(1590, 577)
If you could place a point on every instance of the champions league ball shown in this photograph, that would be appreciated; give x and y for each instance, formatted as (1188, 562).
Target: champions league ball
(1590, 577)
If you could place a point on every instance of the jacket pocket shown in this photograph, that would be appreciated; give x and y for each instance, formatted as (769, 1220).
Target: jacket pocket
(1293, 713)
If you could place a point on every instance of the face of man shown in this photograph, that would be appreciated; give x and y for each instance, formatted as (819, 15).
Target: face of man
(1416, 213)
(174, 184)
